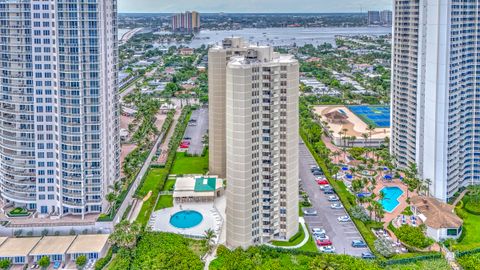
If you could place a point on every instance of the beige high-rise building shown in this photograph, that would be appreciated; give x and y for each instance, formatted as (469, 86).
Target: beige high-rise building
(261, 121)
(218, 58)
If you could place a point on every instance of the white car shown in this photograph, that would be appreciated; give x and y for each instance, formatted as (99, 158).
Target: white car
(318, 231)
(336, 206)
(323, 187)
(343, 219)
(332, 198)
(327, 249)
(320, 236)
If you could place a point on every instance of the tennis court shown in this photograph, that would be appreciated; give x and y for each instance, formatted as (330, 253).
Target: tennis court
(379, 116)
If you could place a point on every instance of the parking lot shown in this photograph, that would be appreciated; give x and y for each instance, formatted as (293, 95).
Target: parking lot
(340, 233)
(196, 130)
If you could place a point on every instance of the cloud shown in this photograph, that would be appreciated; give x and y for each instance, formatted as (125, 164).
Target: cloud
(308, 6)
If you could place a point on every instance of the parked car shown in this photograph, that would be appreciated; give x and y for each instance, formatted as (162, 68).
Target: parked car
(368, 255)
(328, 191)
(310, 212)
(327, 249)
(187, 138)
(323, 187)
(322, 182)
(358, 244)
(314, 168)
(320, 236)
(317, 173)
(336, 206)
(343, 219)
(318, 230)
(324, 242)
(332, 198)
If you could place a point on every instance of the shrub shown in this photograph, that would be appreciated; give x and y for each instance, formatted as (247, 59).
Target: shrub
(413, 236)
(81, 261)
(100, 264)
(5, 263)
(384, 247)
(360, 213)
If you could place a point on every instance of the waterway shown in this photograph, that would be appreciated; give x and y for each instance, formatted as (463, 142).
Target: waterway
(279, 36)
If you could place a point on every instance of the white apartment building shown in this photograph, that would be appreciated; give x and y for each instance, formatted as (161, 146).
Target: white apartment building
(218, 58)
(435, 106)
(261, 147)
(59, 114)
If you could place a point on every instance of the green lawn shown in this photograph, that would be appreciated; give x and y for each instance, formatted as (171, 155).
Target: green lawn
(190, 165)
(294, 240)
(154, 181)
(471, 230)
(169, 185)
(165, 201)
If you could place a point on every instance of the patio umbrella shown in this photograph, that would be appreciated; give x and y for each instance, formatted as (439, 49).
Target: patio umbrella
(344, 169)
(385, 168)
(388, 177)
(349, 176)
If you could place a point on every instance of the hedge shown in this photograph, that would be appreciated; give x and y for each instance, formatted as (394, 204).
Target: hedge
(102, 262)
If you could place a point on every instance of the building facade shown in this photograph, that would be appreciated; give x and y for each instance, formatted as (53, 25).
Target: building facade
(439, 98)
(261, 147)
(373, 17)
(218, 57)
(386, 17)
(186, 22)
(59, 126)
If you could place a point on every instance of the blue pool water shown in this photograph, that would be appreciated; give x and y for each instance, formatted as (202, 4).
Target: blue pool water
(186, 219)
(379, 115)
(390, 201)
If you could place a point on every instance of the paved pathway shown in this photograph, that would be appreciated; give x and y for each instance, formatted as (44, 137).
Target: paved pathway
(301, 244)
(460, 197)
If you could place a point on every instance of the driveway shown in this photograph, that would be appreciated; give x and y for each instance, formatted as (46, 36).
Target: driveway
(341, 234)
(197, 131)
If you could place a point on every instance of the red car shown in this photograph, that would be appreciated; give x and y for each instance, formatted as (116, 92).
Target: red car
(324, 242)
(322, 182)
(183, 145)
(186, 142)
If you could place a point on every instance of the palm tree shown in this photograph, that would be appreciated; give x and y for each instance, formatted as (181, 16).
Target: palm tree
(111, 197)
(370, 209)
(209, 235)
(370, 129)
(365, 139)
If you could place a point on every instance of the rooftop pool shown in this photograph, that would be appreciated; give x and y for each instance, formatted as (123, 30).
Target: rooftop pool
(186, 219)
(390, 201)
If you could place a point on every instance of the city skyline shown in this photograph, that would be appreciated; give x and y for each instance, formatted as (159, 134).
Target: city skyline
(252, 6)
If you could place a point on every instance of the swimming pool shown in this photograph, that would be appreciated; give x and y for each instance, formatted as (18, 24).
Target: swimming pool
(377, 115)
(390, 201)
(186, 219)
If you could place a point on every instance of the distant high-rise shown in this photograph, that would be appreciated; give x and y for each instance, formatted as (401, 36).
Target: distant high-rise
(435, 100)
(186, 22)
(386, 17)
(59, 141)
(260, 108)
(373, 17)
(383, 17)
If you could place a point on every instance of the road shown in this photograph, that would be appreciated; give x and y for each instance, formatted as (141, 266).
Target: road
(341, 234)
(197, 132)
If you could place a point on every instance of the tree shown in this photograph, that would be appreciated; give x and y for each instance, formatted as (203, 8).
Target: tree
(209, 235)
(358, 212)
(384, 247)
(111, 197)
(125, 234)
(81, 261)
(44, 262)
(5, 264)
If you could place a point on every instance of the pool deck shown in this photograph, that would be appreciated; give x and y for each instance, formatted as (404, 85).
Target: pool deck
(354, 125)
(213, 218)
(389, 216)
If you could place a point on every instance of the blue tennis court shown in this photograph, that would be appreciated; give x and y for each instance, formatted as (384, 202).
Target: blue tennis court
(376, 115)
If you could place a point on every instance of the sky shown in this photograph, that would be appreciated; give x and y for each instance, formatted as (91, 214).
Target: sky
(253, 6)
